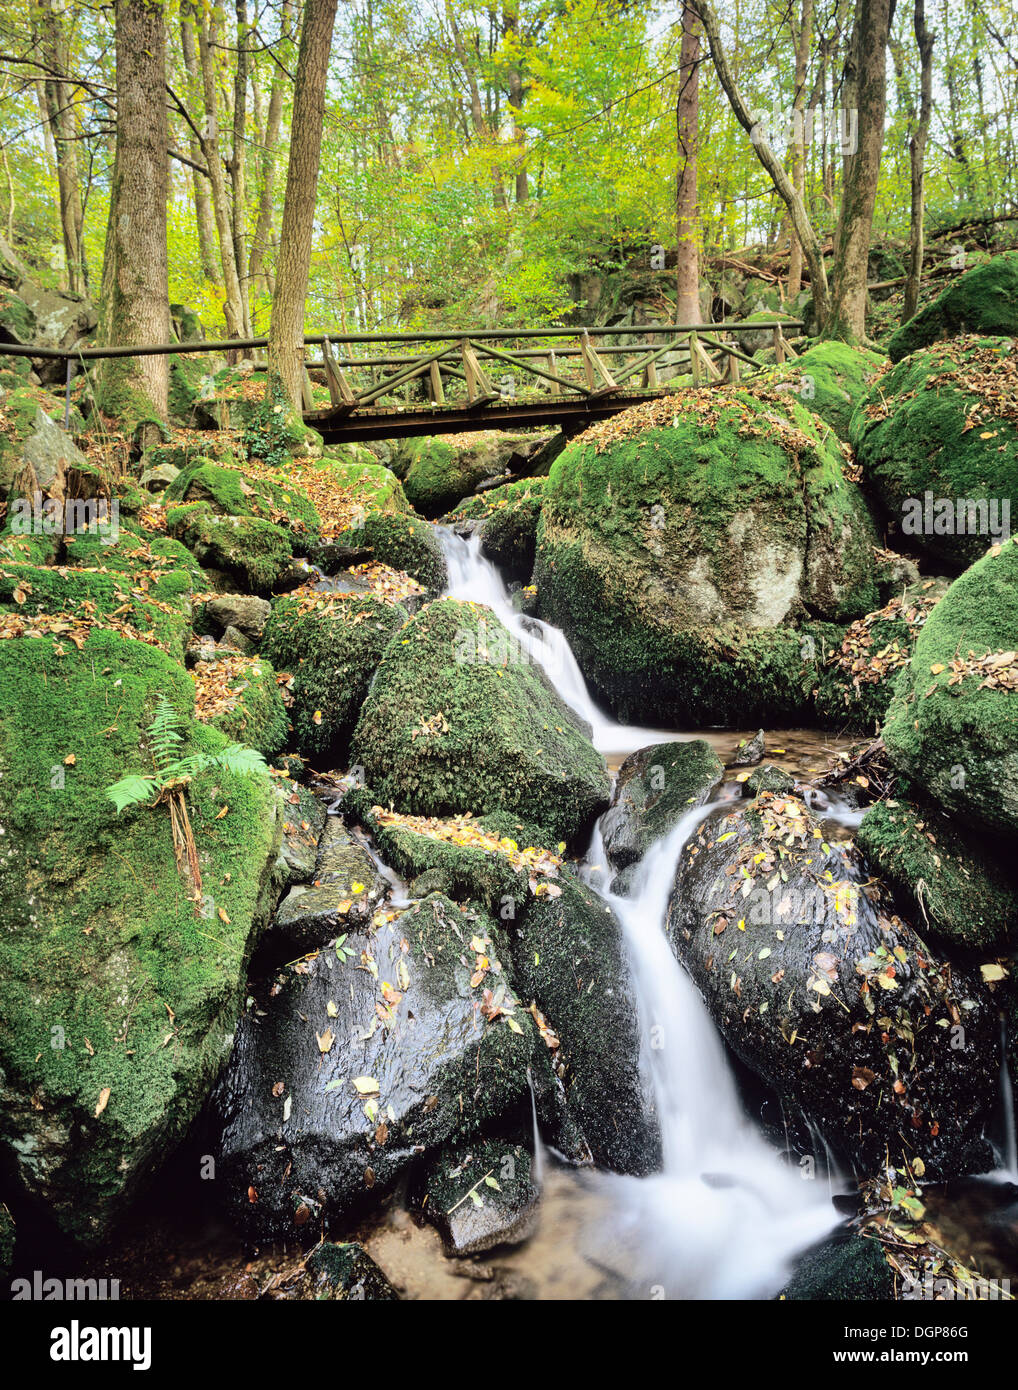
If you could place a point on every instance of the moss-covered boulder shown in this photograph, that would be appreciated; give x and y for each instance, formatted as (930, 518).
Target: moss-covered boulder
(480, 1195)
(848, 1266)
(349, 1074)
(952, 727)
(330, 644)
(397, 539)
(249, 550)
(654, 789)
(829, 996)
(232, 492)
(460, 718)
(340, 1273)
(961, 882)
(830, 379)
(570, 957)
(118, 1000)
(509, 535)
(682, 543)
(857, 667)
(937, 440)
(983, 300)
(445, 468)
(36, 453)
(240, 696)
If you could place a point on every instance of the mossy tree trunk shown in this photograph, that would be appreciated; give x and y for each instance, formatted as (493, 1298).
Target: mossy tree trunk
(286, 332)
(135, 272)
(917, 161)
(866, 94)
(60, 110)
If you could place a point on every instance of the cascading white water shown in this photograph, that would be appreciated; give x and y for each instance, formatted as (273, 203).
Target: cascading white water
(474, 578)
(727, 1214)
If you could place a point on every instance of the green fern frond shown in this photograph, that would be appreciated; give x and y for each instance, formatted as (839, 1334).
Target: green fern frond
(130, 790)
(165, 737)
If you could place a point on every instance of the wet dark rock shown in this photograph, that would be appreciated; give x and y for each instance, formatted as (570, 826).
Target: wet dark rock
(345, 889)
(848, 1266)
(749, 751)
(345, 1273)
(768, 779)
(348, 1069)
(480, 1195)
(237, 641)
(569, 956)
(303, 823)
(654, 789)
(829, 997)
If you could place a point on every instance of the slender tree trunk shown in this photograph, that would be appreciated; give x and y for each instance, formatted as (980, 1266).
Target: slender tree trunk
(687, 117)
(238, 164)
(917, 162)
(811, 248)
(61, 119)
(804, 40)
(854, 231)
(204, 220)
(286, 348)
(260, 276)
(138, 306)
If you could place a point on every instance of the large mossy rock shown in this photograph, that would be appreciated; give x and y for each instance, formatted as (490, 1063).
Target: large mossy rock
(962, 882)
(830, 998)
(937, 440)
(443, 469)
(393, 538)
(240, 696)
(830, 379)
(250, 550)
(230, 491)
(682, 543)
(952, 727)
(37, 454)
(347, 1073)
(118, 1000)
(509, 535)
(856, 668)
(570, 957)
(983, 300)
(480, 1195)
(459, 718)
(848, 1266)
(330, 644)
(654, 789)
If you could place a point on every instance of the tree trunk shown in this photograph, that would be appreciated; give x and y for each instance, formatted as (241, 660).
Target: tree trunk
(238, 163)
(286, 333)
(137, 310)
(804, 39)
(917, 162)
(61, 119)
(847, 318)
(687, 116)
(800, 220)
(204, 221)
(260, 277)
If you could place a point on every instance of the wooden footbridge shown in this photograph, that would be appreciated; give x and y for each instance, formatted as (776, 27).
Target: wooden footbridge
(399, 385)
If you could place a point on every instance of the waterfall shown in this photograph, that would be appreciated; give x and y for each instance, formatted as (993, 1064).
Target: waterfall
(726, 1215)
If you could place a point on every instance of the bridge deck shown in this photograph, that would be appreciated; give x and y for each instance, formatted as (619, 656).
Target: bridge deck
(568, 413)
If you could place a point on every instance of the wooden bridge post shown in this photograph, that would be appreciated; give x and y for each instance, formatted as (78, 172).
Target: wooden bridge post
(779, 345)
(437, 389)
(694, 358)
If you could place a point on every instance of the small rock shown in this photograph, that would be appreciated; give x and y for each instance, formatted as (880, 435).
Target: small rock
(749, 751)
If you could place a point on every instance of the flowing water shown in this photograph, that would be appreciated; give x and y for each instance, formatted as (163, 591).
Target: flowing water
(726, 1215)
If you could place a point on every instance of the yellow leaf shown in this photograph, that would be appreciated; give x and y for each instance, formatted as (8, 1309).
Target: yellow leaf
(223, 917)
(325, 1040)
(366, 1085)
(104, 1096)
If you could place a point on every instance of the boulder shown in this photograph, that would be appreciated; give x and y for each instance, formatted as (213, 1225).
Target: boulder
(393, 538)
(937, 440)
(243, 611)
(654, 789)
(344, 892)
(247, 548)
(749, 751)
(239, 695)
(848, 1266)
(829, 997)
(37, 455)
(229, 491)
(330, 644)
(342, 1076)
(952, 726)
(446, 468)
(460, 718)
(829, 378)
(117, 1000)
(961, 882)
(480, 1195)
(983, 300)
(303, 823)
(682, 542)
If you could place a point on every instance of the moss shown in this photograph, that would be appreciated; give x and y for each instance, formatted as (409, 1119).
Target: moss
(254, 552)
(8, 1234)
(458, 719)
(231, 492)
(376, 487)
(444, 469)
(331, 648)
(983, 300)
(679, 552)
(119, 396)
(109, 979)
(273, 431)
(259, 718)
(939, 423)
(845, 1267)
(829, 378)
(959, 740)
(956, 880)
(510, 529)
(184, 447)
(186, 375)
